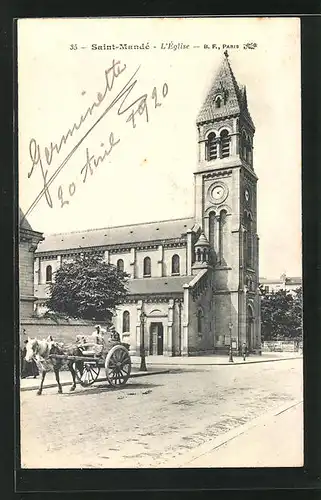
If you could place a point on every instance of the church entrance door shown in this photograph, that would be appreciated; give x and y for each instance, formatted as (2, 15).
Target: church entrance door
(156, 342)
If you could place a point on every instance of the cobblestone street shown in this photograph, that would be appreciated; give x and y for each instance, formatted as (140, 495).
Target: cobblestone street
(153, 420)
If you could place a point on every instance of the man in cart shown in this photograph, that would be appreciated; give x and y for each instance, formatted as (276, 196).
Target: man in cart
(114, 336)
(98, 335)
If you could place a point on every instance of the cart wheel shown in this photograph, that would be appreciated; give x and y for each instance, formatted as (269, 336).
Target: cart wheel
(86, 372)
(118, 366)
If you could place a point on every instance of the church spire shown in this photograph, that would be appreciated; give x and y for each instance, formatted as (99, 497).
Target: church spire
(225, 97)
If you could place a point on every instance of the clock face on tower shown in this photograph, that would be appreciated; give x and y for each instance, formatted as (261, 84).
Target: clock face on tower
(218, 192)
(247, 194)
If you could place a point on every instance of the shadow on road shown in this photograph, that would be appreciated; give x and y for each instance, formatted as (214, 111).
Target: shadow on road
(174, 371)
(128, 389)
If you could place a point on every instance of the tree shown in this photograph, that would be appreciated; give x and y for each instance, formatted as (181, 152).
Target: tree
(281, 314)
(87, 288)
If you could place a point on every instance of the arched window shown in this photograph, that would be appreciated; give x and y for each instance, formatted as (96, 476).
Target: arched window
(175, 264)
(249, 242)
(225, 144)
(248, 239)
(218, 102)
(198, 255)
(246, 148)
(120, 265)
(243, 146)
(126, 321)
(48, 274)
(211, 146)
(200, 321)
(222, 222)
(249, 152)
(147, 267)
(211, 223)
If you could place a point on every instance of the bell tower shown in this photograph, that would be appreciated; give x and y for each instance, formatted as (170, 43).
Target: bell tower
(226, 209)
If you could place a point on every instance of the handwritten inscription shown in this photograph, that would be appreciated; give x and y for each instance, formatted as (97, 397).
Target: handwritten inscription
(42, 157)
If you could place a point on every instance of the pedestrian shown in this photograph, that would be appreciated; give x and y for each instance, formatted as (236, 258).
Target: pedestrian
(244, 351)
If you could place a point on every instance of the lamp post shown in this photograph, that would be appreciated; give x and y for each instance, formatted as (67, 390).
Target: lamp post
(230, 325)
(179, 328)
(143, 367)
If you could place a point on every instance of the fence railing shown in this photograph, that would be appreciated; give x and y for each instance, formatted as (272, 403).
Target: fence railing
(282, 346)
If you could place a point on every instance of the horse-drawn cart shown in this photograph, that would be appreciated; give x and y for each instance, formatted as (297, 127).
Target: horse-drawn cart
(84, 359)
(114, 358)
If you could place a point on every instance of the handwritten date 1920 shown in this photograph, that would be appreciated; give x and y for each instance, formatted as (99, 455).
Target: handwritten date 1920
(139, 106)
(143, 107)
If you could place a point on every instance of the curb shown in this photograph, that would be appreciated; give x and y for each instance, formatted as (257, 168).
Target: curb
(183, 365)
(63, 384)
(187, 459)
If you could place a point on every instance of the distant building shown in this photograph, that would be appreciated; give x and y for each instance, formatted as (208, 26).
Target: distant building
(28, 242)
(282, 283)
(196, 279)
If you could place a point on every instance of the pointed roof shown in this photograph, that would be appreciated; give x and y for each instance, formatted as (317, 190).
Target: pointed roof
(26, 231)
(23, 223)
(234, 100)
(202, 241)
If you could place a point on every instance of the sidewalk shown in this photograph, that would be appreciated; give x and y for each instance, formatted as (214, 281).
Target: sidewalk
(156, 365)
(272, 440)
(214, 359)
(31, 384)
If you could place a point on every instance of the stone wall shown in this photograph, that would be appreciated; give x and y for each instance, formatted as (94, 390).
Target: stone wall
(63, 331)
(26, 258)
(201, 342)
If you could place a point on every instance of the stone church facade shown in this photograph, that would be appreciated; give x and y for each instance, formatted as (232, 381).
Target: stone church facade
(196, 279)
(28, 242)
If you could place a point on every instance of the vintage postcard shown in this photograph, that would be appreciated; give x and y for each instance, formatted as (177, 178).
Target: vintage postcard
(160, 242)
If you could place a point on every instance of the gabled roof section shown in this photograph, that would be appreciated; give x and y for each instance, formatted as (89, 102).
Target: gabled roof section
(117, 235)
(234, 100)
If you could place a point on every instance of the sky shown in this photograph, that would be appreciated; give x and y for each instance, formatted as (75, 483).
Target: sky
(147, 170)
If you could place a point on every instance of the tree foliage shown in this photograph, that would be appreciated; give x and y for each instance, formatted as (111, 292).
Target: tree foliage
(87, 288)
(281, 314)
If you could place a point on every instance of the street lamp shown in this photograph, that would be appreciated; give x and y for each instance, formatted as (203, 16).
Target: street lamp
(230, 325)
(179, 328)
(143, 367)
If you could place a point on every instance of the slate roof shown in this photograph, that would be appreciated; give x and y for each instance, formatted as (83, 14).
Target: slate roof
(144, 286)
(23, 223)
(202, 241)
(296, 280)
(158, 285)
(117, 235)
(224, 83)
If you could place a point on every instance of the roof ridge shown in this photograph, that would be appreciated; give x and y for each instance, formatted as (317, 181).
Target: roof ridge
(121, 225)
(181, 276)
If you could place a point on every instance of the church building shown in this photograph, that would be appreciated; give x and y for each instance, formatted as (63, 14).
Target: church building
(194, 281)
(28, 242)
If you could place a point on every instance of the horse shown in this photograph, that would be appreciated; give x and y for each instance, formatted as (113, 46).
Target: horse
(40, 351)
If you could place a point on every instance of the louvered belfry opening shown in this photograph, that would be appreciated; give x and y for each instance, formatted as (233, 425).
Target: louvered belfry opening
(212, 146)
(225, 144)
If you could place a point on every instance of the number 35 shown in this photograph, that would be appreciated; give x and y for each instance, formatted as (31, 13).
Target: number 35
(73, 46)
